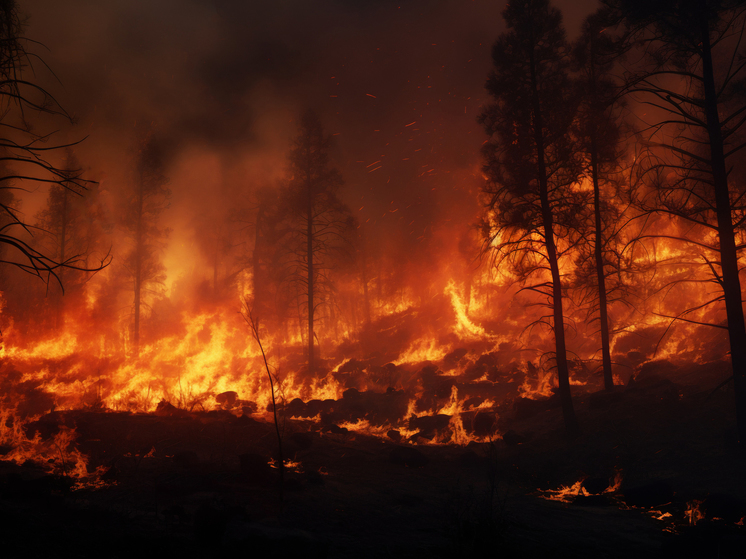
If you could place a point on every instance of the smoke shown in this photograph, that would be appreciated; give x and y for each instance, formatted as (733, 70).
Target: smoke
(221, 84)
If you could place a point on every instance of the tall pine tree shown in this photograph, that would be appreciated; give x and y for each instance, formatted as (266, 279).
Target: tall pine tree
(319, 222)
(530, 162)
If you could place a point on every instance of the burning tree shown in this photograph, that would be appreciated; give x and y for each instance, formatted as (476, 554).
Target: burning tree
(144, 205)
(530, 163)
(24, 153)
(317, 223)
(692, 85)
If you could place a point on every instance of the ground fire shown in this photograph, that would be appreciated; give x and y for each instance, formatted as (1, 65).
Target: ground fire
(372, 279)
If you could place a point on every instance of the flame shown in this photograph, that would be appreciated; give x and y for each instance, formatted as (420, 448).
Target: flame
(58, 454)
(290, 465)
(566, 493)
(693, 512)
(464, 326)
(422, 350)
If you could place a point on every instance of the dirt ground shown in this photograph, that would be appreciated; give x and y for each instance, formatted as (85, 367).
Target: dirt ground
(198, 485)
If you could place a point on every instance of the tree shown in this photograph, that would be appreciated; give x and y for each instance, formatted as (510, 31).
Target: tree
(145, 203)
(530, 163)
(271, 298)
(318, 222)
(693, 86)
(24, 153)
(598, 129)
(72, 223)
(221, 240)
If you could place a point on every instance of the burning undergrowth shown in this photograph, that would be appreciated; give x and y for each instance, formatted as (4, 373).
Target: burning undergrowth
(429, 367)
(396, 380)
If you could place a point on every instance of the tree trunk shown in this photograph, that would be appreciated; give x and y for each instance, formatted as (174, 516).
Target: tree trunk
(138, 264)
(563, 375)
(215, 264)
(364, 279)
(309, 256)
(568, 412)
(63, 256)
(598, 253)
(728, 255)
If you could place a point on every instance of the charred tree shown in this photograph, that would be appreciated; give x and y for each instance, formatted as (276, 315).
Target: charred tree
(271, 273)
(597, 126)
(319, 223)
(530, 163)
(222, 240)
(25, 153)
(145, 202)
(73, 225)
(693, 81)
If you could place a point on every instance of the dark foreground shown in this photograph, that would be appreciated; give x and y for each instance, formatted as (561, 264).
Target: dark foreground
(197, 485)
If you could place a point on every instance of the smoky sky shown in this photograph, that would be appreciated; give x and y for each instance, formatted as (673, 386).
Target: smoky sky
(399, 84)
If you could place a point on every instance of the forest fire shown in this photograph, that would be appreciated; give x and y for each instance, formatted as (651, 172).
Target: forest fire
(344, 281)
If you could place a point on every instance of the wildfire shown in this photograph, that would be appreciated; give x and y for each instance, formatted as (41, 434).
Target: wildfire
(57, 454)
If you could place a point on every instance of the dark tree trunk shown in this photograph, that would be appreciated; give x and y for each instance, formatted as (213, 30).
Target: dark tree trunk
(364, 278)
(309, 256)
(728, 256)
(563, 376)
(598, 253)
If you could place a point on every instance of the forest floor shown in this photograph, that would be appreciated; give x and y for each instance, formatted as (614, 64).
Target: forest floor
(198, 485)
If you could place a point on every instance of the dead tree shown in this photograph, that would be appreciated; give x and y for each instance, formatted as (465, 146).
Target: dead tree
(25, 154)
(72, 225)
(146, 200)
(318, 223)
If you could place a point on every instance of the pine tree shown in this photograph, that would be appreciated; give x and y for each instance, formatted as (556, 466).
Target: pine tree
(598, 129)
(146, 200)
(319, 223)
(692, 80)
(72, 223)
(530, 163)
